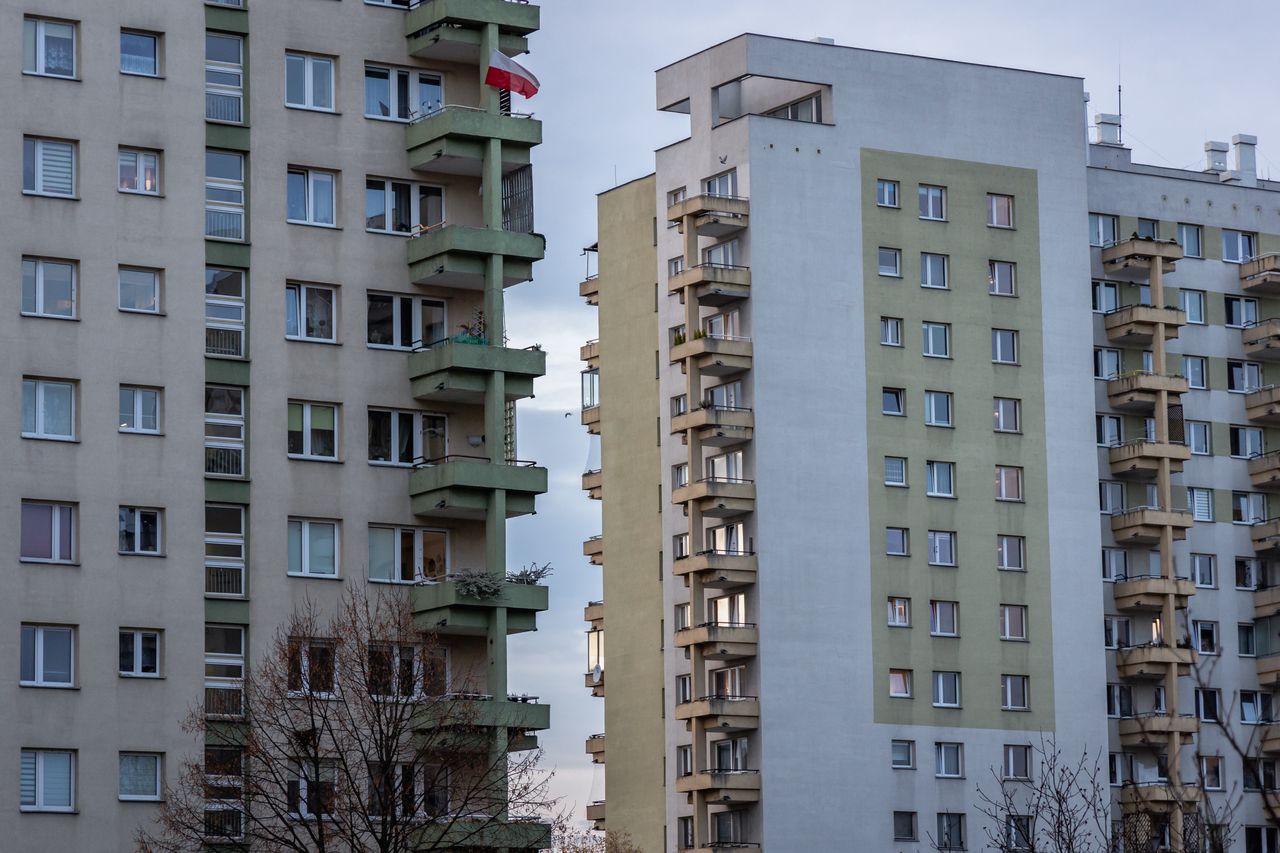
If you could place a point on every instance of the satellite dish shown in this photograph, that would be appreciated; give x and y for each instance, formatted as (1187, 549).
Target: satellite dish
(597, 674)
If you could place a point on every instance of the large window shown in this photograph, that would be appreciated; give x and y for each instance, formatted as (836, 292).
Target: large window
(223, 670)
(223, 77)
(400, 207)
(407, 554)
(138, 290)
(313, 548)
(308, 81)
(224, 207)
(311, 197)
(400, 94)
(139, 653)
(140, 531)
(48, 409)
(1244, 377)
(224, 425)
(310, 313)
(47, 656)
(47, 780)
(138, 171)
(48, 47)
(224, 549)
(139, 53)
(313, 431)
(48, 167)
(405, 437)
(224, 312)
(48, 288)
(405, 322)
(48, 532)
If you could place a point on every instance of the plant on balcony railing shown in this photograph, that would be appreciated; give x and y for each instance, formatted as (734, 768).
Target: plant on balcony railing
(477, 583)
(531, 575)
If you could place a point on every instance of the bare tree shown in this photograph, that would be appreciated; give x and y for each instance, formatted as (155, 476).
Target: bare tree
(570, 840)
(347, 738)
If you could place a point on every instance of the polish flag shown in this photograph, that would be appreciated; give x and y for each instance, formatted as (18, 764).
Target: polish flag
(505, 73)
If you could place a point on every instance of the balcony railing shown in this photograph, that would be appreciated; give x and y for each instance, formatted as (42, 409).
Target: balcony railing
(220, 107)
(223, 823)
(223, 700)
(224, 342)
(224, 461)
(224, 224)
(224, 580)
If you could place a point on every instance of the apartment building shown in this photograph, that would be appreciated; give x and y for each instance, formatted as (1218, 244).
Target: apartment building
(335, 407)
(883, 504)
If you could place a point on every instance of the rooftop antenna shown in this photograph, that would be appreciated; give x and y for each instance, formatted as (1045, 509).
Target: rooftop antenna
(1119, 98)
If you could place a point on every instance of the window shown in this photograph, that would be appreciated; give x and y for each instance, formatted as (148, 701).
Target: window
(891, 331)
(1241, 311)
(1207, 704)
(407, 554)
(224, 431)
(899, 612)
(48, 532)
(684, 689)
(138, 171)
(944, 618)
(47, 656)
(680, 475)
(1109, 430)
(1106, 296)
(1200, 501)
(400, 94)
(310, 313)
(223, 77)
(1248, 507)
(942, 548)
(1189, 240)
(1246, 640)
(308, 82)
(1211, 774)
(948, 760)
(48, 288)
(139, 53)
(1255, 706)
(139, 776)
(1017, 761)
(940, 477)
(313, 431)
(311, 789)
(937, 340)
(1119, 700)
(1004, 346)
(946, 690)
(1199, 437)
(400, 207)
(1008, 483)
(895, 471)
(723, 185)
(1244, 377)
(1013, 692)
(405, 322)
(48, 48)
(48, 409)
(138, 290)
(1013, 621)
(1111, 496)
(904, 826)
(224, 312)
(223, 669)
(1260, 774)
(1115, 564)
(224, 195)
(1007, 413)
(937, 408)
(900, 683)
(1009, 553)
(406, 437)
(890, 262)
(140, 531)
(311, 197)
(1247, 572)
(1203, 570)
(886, 193)
(1102, 229)
(891, 401)
(1002, 278)
(933, 202)
(902, 754)
(47, 780)
(1193, 367)
(48, 167)
(139, 653)
(1192, 304)
(1237, 246)
(950, 831)
(896, 542)
(999, 210)
(933, 270)
(1148, 229)
(1246, 442)
(313, 548)
(1106, 363)
(1115, 632)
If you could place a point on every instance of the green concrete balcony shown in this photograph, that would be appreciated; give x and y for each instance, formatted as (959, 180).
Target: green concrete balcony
(479, 833)
(456, 370)
(443, 607)
(454, 140)
(471, 711)
(457, 255)
(461, 486)
(450, 30)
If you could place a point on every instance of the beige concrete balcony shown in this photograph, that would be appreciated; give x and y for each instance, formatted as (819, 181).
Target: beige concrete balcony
(450, 30)
(1266, 537)
(454, 140)
(1261, 275)
(1263, 405)
(1268, 667)
(596, 748)
(457, 370)
(717, 426)
(713, 284)
(1149, 593)
(722, 713)
(1264, 471)
(1151, 661)
(1269, 739)
(589, 289)
(1140, 458)
(720, 640)
(591, 419)
(458, 486)
(594, 613)
(718, 569)
(1159, 797)
(590, 353)
(723, 787)
(1154, 730)
(718, 497)
(449, 255)
(594, 681)
(595, 814)
(593, 484)
(1261, 341)
(1143, 525)
(1266, 601)
(1132, 259)
(1138, 390)
(715, 355)
(713, 215)
(593, 549)
(1135, 325)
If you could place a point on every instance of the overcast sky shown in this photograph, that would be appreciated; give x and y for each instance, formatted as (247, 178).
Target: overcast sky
(1191, 71)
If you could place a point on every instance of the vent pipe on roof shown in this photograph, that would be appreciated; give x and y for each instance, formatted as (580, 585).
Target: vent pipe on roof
(1245, 157)
(1108, 128)
(1215, 156)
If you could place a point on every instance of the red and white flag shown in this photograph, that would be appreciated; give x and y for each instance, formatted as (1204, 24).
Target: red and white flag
(505, 73)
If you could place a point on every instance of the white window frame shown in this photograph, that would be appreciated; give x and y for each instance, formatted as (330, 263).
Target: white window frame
(899, 611)
(156, 283)
(928, 330)
(936, 547)
(231, 305)
(1245, 307)
(37, 267)
(1002, 494)
(889, 272)
(906, 677)
(411, 110)
(889, 463)
(934, 471)
(417, 303)
(55, 533)
(1247, 505)
(1238, 246)
(312, 180)
(155, 53)
(37, 662)
(1204, 634)
(140, 159)
(910, 747)
(998, 354)
(1197, 380)
(1115, 563)
(1104, 358)
(1250, 371)
(230, 91)
(993, 208)
(940, 613)
(36, 29)
(1251, 566)
(296, 295)
(1185, 228)
(309, 63)
(995, 284)
(941, 751)
(38, 760)
(1204, 570)
(1103, 229)
(418, 219)
(934, 401)
(1005, 409)
(1010, 769)
(419, 427)
(891, 331)
(304, 552)
(1199, 437)
(927, 195)
(306, 430)
(1010, 686)
(1106, 296)
(886, 193)
(1005, 549)
(37, 146)
(158, 788)
(1009, 624)
(906, 542)
(136, 636)
(1192, 303)
(297, 772)
(233, 188)
(234, 444)
(897, 394)
(38, 388)
(944, 681)
(419, 554)
(1248, 441)
(1200, 502)
(133, 515)
(928, 267)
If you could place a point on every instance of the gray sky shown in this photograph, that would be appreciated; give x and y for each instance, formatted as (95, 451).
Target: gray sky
(1191, 72)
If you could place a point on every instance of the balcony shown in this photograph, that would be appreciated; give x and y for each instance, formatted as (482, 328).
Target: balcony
(594, 681)
(717, 426)
(462, 486)
(718, 569)
(1268, 667)
(1140, 458)
(454, 140)
(713, 284)
(446, 608)
(723, 713)
(1133, 258)
(593, 484)
(1159, 797)
(721, 846)
(457, 369)
(1261, 341)
(591, 419)
(590, 353)
(720, 640)
(457, 255)
(1261, 275)
(589, 289)
(1138, 390)
(713, 215)
(470, 711)
(1266, 538)
(1135, 325)
(1143, 525)
(715, 355)
(595, 814)
(1266, 601)
(723, 787)
(1151, 661)
(482, 833)
(595, 748)
(1149, 593)
(1269, 741)
(1262, 406)
(1264, 471)
(718, 497)
(593, 549)
(1154, 730)
(451, 30)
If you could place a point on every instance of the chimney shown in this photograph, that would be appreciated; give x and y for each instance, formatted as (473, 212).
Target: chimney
(1215, 155)
(1108, 128)
(1246, 164)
